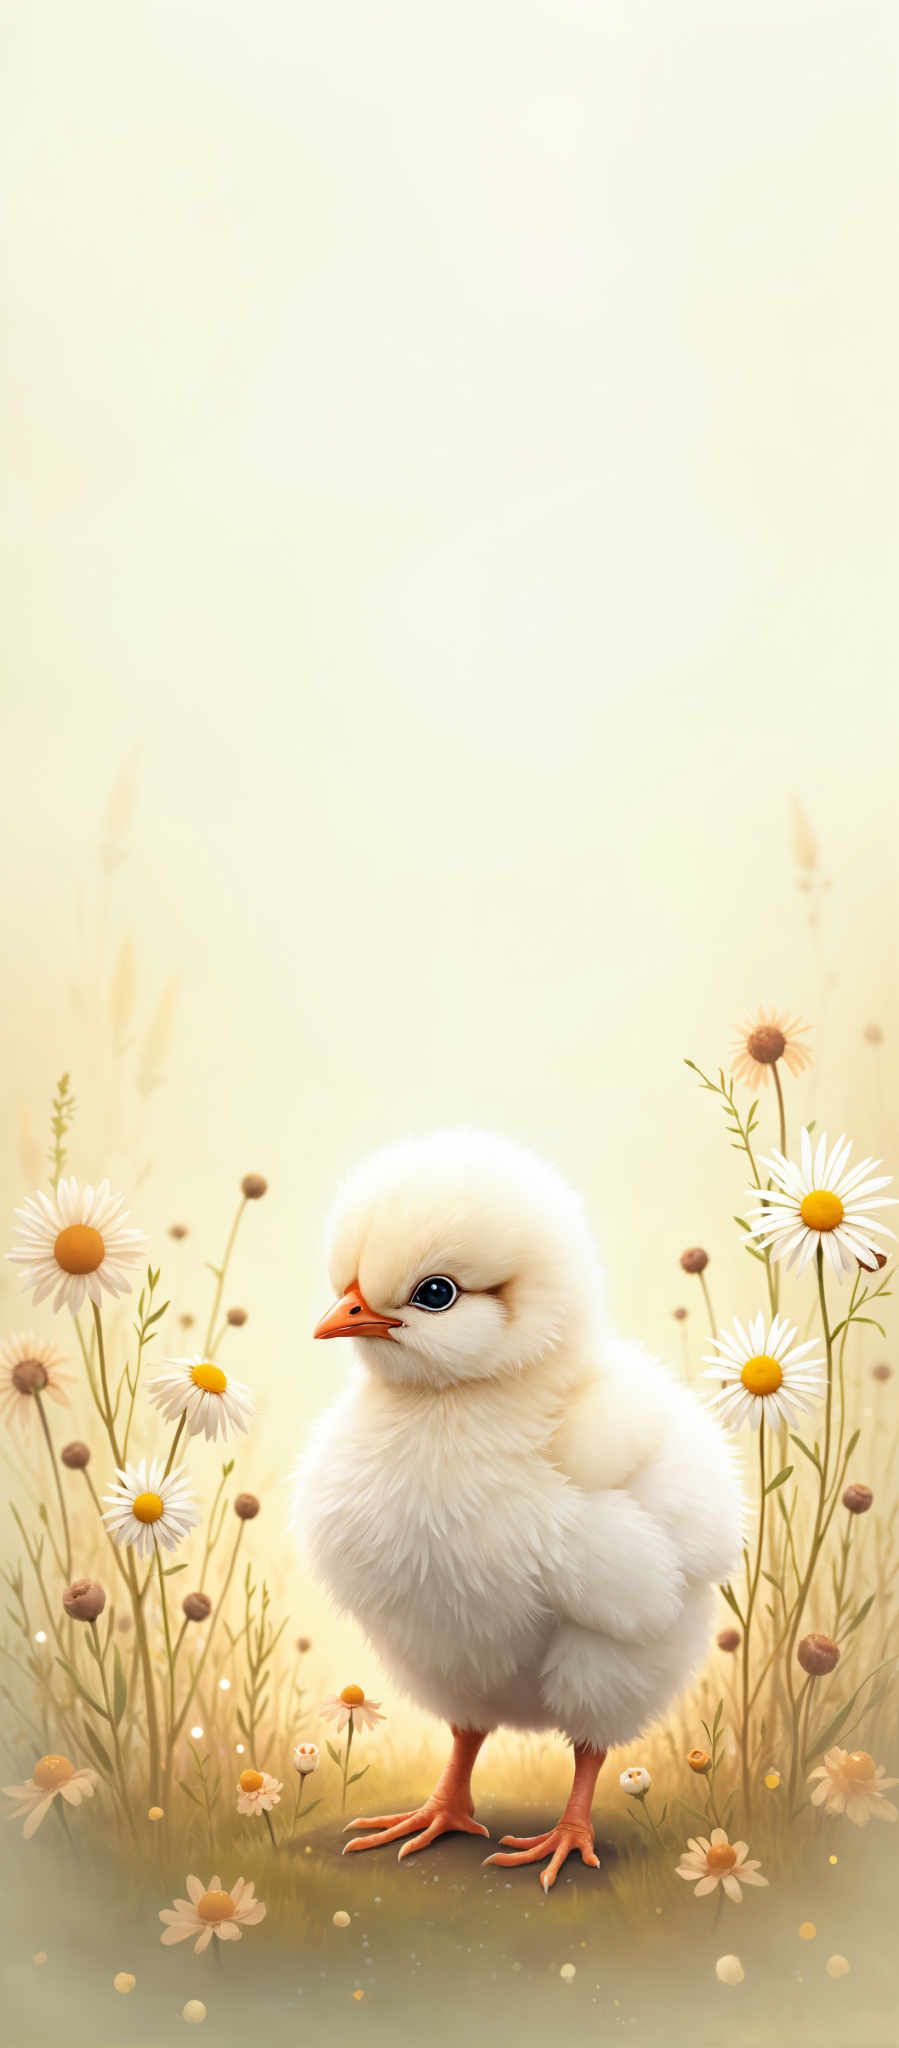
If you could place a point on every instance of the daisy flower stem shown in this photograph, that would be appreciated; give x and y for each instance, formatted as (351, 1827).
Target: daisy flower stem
(175, 1442)
(346, 1761)
(88, 1366)
(182, 1714)
(268, 1822)
(220, 1283)
(58, 1483)
(106, 1410)
(167, 1633)
(751, 1591)
(146, 1664)
(114, 1730)
(819, 1530)
(781, 1110)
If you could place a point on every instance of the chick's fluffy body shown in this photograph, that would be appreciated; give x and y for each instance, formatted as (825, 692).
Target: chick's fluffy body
(524, 1513)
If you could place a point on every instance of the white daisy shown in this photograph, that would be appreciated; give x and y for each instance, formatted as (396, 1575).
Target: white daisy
(821, 1202)
(762, 1372)
(51, 1774)
(711, 1860)
(207, 1396)
(75, 1241)
(29, 1366)
(851, 1783)
(147, 1509)
(212, 1911)
(257, 1792)
(351, 1705)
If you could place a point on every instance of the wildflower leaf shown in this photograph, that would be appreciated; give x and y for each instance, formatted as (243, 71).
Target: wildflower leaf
(358, 1774)
(102, 1755)
(833, 1727)
(730, 1596)
(169, 1570)
(119, 1686)
(779, 1479)
(72, 1674)
(864, 1610)
(190, 1794)
(810, 1455)
(335, 1758)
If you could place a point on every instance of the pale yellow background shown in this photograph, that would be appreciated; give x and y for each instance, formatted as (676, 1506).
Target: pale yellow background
(453, 455)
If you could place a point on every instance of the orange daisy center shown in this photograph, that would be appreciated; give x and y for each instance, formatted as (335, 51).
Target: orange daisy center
(251, 1781)
(353, 1696)
(209, 1377)
(215, 1906)
(52, 1771)
(859, 1764)
(721, 1856)
(147, 1507)
(821, 1210)
(761, 1374)
(79, 1248)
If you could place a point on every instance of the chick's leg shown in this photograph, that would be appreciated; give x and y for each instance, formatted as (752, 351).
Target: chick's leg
(449, 1810)
(573, 1831)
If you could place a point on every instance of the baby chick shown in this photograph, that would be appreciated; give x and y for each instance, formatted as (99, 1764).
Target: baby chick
(524, 1513)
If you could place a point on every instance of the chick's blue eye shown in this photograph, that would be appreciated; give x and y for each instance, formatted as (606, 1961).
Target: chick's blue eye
(435, 1293)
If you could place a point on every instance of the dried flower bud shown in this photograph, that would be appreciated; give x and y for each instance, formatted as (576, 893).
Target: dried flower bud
(84, 1600)
(196, 1606)
(187, 1320)
(858, 1498)
(874, 1263)
(818, 1654)
(679, 1314)
(246, 1507)
(729, 1639)
(882, 1371)
(694, 1260)
(254, 1186)
(873, 1034)
(304, 1643)
(699, 1760)
(75, 1455)
(177, 1231)
(236, 1317)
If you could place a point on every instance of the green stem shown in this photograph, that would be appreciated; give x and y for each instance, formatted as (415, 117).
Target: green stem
(708, 1302)
(752, 1589)
(217, 1298)
(268, 1822)
(346, 1761)
(181, 1717)
(175, 1442)
(781, 1111)
(113, 1724)
(106, 1411)
(168, 1636)
(59, 1493)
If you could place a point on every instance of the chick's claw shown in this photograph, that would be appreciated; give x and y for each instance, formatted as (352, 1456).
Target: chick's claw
(557, 1844)
(424, 1826)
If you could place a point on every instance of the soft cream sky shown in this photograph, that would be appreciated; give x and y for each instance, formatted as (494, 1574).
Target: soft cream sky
(458, 448)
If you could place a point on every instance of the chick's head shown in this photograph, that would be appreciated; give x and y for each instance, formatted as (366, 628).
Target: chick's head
(457, 1257)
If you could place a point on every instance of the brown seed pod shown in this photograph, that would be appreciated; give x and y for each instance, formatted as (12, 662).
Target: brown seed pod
(254, 1186)
(729, 1639)
(246, 1507)
(196, 1606)
(694, 1259)
(236, 1317)
(76, 1455)
(84, 1600)
(858, 1498)
(818, 1654)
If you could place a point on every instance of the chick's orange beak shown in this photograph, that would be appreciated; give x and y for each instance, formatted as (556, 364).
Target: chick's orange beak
(352, 1317)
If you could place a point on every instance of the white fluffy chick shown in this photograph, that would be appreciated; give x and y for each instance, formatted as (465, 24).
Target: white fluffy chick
(523, 1512)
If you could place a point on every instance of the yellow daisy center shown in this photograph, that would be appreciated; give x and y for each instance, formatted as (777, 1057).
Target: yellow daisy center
(210, 1377)
(147, 1507)
(79, 1248)
(353, 1696)
(858, 1764)
(214, 1906)
(52, 1771)
(821, 1210)
(761, 1374)
(251, 1781)
(721, 1856)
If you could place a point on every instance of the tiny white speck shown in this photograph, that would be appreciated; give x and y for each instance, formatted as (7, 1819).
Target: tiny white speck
(196, 1732)
(40, 1635)
(224, 1685)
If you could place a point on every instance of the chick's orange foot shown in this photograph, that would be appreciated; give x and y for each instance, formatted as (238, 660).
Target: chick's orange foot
(423, 1825)
(557, 1844)
(449, 1810)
